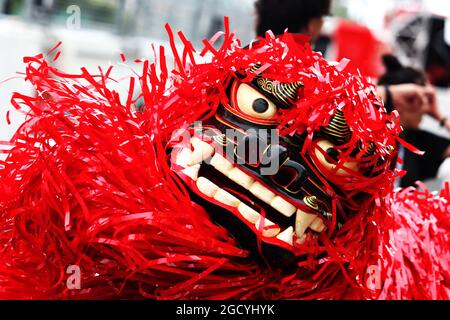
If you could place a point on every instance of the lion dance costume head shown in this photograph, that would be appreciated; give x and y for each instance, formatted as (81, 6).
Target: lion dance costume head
(248, 172)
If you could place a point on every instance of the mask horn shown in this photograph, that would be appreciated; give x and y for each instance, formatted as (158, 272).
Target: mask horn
(338, 129)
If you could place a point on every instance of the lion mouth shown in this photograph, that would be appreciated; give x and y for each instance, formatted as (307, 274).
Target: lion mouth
(218, 180)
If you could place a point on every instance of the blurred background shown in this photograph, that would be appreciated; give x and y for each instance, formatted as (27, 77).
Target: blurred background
(95, 32)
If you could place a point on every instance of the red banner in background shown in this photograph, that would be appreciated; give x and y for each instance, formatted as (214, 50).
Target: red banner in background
(357, 43)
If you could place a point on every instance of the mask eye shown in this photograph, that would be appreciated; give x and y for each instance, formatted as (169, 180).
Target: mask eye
(254, 104)
(333, 154)
(333, 157)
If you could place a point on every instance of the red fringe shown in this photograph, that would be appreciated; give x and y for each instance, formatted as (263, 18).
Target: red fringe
(415, 246)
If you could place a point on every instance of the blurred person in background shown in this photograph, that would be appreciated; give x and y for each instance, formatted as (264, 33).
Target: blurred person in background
(397, 74)
(436, 148)
(298, 16)
(410, 96)
(307, 17)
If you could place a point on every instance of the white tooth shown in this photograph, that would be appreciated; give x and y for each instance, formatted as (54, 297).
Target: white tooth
(248, 213)
(184, 157)
(302, 239)
(302, 221)
(287, 236)
(263, 226)
(221, 164)
(192, 172)
(317, 225)
(202, 151)
(227, 198)
(206, 187)
(240, 178)
(283, 206)
(262, 192)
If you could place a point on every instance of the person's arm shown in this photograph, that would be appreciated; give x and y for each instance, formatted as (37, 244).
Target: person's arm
(410, 100)
(405, 97)
(445, 123)
(433, 109)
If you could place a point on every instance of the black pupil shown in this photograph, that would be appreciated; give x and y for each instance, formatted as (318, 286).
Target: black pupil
(260, 105)
(333, 153)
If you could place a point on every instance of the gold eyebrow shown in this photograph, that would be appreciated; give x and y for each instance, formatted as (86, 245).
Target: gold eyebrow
(283, 93)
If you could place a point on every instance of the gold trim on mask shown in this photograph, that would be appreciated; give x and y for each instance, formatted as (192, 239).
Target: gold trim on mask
(220, 139)
(338, 128)
(284, 93)
(312, 202)
(371, 150)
